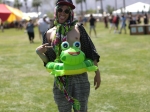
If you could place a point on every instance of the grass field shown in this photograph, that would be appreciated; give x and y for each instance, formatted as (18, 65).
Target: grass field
(25, 85)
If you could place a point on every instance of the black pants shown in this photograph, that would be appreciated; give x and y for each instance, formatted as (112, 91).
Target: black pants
(31, 36)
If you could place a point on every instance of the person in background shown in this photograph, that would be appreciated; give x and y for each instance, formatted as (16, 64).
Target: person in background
(146, 19)
(123, 24)
(106, 21)
(16, 23)
(1, 25)
(84, 20)
(111, 24)
(116, 20)
(138, 19)
(92, 22)
(132, 21)
(80, 19)
(43, 25)
(30, 31)
(70, 91)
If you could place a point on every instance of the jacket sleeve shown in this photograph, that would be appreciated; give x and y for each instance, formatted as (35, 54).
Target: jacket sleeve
(87, 45)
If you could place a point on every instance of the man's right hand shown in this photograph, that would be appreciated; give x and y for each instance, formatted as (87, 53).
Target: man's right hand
(43, 48)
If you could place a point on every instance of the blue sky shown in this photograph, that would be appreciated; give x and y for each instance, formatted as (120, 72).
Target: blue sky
(91, 4)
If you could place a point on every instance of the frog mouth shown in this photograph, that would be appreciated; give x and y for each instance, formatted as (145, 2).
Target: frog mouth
(74, 53)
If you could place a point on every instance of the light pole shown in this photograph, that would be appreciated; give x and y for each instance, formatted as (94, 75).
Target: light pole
(26, 5)
(124, 5)
(116, 4)
(101, 3)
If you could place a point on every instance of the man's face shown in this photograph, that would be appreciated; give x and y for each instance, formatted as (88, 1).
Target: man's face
(63, 13)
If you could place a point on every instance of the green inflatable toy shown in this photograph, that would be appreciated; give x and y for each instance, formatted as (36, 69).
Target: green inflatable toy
(73, 61)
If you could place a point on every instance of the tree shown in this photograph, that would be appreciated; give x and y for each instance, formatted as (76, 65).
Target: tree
(17, 4)
(85, 5)
(80, 2)
(124, 5)
(116, 4)
(5, 2)
(26, 6)
(101, 4)
(109, 9)
(36, 4)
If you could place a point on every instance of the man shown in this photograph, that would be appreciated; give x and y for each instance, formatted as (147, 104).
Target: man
(92, 21)
(30, 30)
(69, 91)
(43, 25)
(123, 24)
(106, 21)
(112, 25)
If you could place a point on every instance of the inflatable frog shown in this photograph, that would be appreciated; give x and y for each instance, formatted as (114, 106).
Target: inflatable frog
(72, 61)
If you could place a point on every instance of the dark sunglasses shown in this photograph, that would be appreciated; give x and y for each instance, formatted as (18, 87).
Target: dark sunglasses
(67, 11)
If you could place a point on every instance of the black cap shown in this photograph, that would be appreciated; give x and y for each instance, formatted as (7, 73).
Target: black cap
(65, 2)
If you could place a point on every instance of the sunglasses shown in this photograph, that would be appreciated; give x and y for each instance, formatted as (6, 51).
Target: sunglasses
(67, 11)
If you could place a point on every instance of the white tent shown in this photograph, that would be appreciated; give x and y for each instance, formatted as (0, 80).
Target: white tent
(33, 14)
(136, 7)
(94, 15)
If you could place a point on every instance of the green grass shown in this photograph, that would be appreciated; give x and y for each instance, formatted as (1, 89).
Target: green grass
(25, 85)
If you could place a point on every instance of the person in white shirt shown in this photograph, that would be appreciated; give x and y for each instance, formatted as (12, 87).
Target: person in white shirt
(43, 25)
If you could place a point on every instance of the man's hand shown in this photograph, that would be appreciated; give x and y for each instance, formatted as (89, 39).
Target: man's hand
(97, 79)
(43, 48)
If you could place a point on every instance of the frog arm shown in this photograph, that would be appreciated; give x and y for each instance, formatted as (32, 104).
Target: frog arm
(90, 65)
(55, 68)
(50, 66)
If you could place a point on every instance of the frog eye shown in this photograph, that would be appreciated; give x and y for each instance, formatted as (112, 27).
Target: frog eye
(65, 45)
(77, 44)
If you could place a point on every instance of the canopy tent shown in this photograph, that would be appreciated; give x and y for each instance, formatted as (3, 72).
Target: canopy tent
(136, 7)
(4, 12)
(11, 14)
(15, 15)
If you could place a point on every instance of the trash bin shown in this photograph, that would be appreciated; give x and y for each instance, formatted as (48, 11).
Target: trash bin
(137, 30)
(140, 29)
(148, 29)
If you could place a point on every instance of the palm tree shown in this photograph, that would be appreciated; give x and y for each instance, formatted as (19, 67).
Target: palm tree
(50, 3)
(5, 2)
(26, 6)
(17, 4)
(101, 4)
(124, 5)
(80, 2)
(116, 4)
(85, 5)
(109, 9)
(36, 4)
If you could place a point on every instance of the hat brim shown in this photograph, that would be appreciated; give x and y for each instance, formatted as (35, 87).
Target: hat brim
(66, 3)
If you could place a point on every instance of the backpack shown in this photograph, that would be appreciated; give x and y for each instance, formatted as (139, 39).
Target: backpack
(114, 19)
